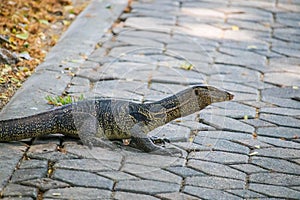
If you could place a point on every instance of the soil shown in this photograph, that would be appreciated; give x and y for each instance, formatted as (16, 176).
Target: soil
(28, 30)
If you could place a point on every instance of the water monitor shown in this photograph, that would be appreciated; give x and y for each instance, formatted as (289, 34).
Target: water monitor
(97, 121)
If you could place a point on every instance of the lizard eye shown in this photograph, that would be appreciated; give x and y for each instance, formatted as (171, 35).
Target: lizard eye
(197, 92)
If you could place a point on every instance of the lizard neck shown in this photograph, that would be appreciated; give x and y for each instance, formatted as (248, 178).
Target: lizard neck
(179, 105)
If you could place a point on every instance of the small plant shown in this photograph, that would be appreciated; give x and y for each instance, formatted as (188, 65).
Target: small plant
(63, 100)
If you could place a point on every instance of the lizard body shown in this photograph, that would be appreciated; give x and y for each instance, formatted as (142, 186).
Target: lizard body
(94, 120)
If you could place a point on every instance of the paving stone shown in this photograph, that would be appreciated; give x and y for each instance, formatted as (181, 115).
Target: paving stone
(254, 143)
(281, 120)
(117, 175)
(151, 173)
(227, 135)
(257, 123)
(42, 148)
(222, 145)
(219, 156)
(274, 191)
(278, 153)
(98, 153)
(286, 92)
(190, 146)
(173, 132)
(146, 186)
(149, 23)
(15, 190)
(128, 195)
(258, 104)
(275, 179)
(282, 102)
(51, 156)
(214, 182)
(277, 165)
(154, 160)
(216, 169)
(77, 193)
(248, 168)
(176, 196)
(236, 114)
(246, 194)
(207, 193)
(31, 164)
(90, 165)
(27, 174)
(45, 184)
(196, 126)
(17, 198)
(10, 155)
(281, 111)
(232, 86)
(225, 123)
(82, 179)
(184, 171)
(279, 142)
(153, 35)
(282, 78)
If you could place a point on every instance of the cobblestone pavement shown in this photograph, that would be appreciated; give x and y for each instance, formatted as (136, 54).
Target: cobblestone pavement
(248, 148)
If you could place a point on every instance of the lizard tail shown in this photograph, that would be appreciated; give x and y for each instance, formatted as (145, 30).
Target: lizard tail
(27, 127)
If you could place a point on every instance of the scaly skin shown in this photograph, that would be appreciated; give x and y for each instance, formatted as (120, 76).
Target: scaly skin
(96, 120)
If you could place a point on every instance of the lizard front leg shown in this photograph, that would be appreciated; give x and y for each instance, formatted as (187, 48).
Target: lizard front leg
(140, 140)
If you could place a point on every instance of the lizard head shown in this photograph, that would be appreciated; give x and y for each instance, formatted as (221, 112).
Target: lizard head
(211, 94)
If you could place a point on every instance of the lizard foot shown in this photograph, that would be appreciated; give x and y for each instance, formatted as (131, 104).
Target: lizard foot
(159, 140)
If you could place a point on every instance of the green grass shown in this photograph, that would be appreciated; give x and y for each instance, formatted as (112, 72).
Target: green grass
(63, 100)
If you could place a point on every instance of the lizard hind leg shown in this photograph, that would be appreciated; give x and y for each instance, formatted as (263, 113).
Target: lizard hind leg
(89, 131)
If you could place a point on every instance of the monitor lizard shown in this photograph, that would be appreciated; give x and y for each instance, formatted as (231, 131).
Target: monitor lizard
(97, 121)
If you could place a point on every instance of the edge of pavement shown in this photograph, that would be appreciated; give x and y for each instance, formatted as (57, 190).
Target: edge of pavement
(53, 75)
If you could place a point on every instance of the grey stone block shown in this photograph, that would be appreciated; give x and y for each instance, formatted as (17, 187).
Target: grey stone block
(281, 120)
(214, 182)
(45, 184)
(173, 132)
(117, 175)
(15, 190)
(82, 179)
(257, 123)
(77, 193)
(216, 169)
(90, 165)
(274, 191)
(176, 196)
(154, 160)
(146, 186)
(279, 142)
(248, 168)
(226, 135)
(27, 174)
(277, 165)
(184, 171)
(281, 111)
(225, 123)
(246, 194)
(151, 173)
(278, 153)
(222, 145)
(275, 179)
(207, 193)
(219, 156)
(133, 196)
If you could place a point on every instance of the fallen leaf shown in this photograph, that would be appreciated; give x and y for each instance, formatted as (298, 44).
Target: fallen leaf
(23, 36)
(235, 28)
(253, 153)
